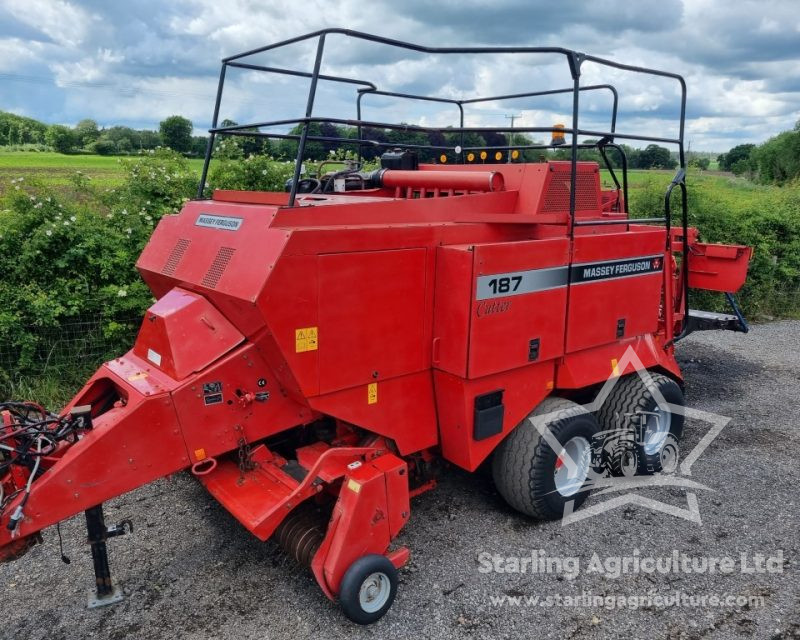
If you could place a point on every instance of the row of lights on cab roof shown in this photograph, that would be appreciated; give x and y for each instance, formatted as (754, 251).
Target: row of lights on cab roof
(556, 141)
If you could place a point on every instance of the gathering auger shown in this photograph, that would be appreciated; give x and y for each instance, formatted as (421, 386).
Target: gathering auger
(312, 355)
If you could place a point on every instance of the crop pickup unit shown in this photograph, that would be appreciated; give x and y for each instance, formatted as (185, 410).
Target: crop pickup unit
(314, 353)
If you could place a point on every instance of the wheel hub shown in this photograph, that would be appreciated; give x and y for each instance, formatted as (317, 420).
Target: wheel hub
(572, 466)
(657, 427)
(374, 592)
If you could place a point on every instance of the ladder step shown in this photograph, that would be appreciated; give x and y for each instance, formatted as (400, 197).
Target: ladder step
(710, 320)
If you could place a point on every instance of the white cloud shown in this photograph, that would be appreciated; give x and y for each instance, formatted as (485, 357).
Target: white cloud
(16, 53)
(60, 20)
(86, 70)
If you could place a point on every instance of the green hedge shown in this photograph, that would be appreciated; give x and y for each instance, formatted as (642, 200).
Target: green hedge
(736, 211)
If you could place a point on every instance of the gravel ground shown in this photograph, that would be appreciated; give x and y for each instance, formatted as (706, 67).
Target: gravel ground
(190, 571)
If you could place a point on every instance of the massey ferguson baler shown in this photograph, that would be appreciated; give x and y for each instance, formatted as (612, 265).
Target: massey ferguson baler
(312, 355)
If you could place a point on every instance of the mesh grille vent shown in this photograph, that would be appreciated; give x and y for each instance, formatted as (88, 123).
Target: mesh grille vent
(557, 197)
(218, 267)
(175, 256)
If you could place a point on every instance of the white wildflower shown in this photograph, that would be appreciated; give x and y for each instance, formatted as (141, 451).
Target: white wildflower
(48, 233)
(121, 293)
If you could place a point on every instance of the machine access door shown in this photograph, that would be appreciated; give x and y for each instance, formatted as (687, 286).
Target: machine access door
(616, 281)
(499, 306)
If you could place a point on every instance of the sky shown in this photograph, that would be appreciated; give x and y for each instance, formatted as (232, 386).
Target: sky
(135, 62)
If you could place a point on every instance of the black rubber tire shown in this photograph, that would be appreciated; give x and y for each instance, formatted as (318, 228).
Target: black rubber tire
(523, 464)
(355, 576)
(632, 394)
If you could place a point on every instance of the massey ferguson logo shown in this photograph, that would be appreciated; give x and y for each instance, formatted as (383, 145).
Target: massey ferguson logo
(218, 222)
(616, 269)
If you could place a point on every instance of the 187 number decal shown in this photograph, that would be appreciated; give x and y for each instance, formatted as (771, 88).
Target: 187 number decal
(505, 285)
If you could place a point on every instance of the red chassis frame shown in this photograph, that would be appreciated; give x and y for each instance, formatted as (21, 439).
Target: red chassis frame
(384, 313)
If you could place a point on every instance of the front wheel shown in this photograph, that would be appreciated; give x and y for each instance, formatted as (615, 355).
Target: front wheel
(368, 589)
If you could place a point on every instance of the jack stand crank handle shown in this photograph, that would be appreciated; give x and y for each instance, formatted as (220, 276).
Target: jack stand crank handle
(105, 592)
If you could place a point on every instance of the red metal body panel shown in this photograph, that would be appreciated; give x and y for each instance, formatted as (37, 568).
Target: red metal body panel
(219, 407)
(182, 334)
(592, 366)
(451, 322)
(503, 328)
(633, 299)
(523, 388)
(403, 409)
(718, 267)
(371, 316)
(229, 267)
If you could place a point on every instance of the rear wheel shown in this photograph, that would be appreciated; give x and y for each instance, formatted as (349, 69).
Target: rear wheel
(537, 479)
(633, 411)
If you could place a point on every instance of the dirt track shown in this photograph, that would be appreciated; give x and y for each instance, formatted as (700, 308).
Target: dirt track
(190, 571)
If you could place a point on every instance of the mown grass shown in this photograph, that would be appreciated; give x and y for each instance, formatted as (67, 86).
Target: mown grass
(57, 170)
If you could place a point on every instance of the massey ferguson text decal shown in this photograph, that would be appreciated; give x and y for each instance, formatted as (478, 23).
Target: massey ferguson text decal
(616, 269)
(514, 283)
(228, 223)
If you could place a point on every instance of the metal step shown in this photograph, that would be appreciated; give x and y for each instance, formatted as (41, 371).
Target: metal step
(709, 320)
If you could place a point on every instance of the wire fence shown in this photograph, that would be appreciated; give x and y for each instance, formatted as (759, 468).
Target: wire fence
(78, 344)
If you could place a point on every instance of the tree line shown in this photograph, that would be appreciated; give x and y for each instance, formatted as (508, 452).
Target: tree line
(776, 161)
(175, 132)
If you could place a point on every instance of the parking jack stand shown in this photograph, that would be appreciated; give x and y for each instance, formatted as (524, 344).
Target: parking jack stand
(105, 592)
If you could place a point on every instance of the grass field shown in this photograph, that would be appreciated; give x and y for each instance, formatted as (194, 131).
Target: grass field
(57, 169)
(106, 171)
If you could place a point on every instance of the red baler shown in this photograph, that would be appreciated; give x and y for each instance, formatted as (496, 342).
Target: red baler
(312, 355)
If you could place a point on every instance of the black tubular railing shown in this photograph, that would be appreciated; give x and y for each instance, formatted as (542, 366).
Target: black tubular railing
(680, 181)
(575, 61)
(512, 96)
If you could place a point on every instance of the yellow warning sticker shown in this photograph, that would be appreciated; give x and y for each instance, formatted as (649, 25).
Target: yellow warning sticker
(306, 339)
(141, 375)
(353, 485)
(200, 454)
(372, 393)
(614, 367)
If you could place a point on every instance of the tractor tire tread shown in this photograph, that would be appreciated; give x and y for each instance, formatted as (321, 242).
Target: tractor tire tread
(515, 462)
